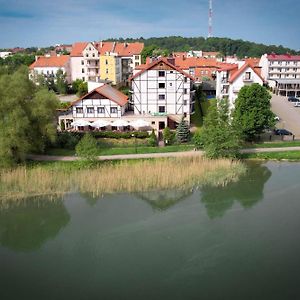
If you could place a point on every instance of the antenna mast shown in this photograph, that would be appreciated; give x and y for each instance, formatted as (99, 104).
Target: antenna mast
(210, 14)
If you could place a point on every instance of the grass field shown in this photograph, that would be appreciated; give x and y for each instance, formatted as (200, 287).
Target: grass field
(287, 155)
(273, 144)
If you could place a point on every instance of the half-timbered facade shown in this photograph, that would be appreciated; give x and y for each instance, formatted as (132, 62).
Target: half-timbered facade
(104, 102)
(161, 89)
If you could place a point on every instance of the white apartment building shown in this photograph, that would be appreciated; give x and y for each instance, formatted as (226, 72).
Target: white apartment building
(282, 72)
(49, 65)
(85, 62)
(161, 89)
(231, 79)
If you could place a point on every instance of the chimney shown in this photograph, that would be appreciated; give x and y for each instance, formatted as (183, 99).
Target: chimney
(171, 60)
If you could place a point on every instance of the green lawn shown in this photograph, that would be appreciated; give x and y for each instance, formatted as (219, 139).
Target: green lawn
(126, 150)
(287, 155)
(274, 144)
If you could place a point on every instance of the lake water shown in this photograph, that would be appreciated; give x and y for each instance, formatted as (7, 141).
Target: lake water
(237, 242)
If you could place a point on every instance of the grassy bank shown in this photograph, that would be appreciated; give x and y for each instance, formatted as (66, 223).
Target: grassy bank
(274, 144)
(284, 155)
(126, 150)
(54, 180)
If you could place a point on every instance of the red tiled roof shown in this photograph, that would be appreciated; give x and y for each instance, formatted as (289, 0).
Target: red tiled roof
(77, 48)
(254, 62)
(165, 61)
(108, 92)
(122, 49)
(227, 67)
(283, 57)
(50, 61)
(189, 62)
(236, 74)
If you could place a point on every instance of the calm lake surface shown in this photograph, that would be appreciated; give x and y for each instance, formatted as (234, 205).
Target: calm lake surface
(237, 242)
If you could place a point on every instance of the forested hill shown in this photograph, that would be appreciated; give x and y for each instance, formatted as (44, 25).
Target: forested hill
(224, 45)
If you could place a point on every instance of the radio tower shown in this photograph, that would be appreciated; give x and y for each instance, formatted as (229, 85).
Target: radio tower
(210, 14)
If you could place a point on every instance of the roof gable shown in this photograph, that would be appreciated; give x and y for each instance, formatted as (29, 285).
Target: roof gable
(78, 48)
(243, 69)
(105, 92)
(165, 62)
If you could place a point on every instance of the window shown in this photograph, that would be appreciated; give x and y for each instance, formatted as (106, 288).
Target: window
(247, 75)
(171, 72)
(83, 78)
(106, 71)
(90, 110)
(171, 84)
(185, 91)
(185, 79)
(82, 70)
(90, 48)
(161, 85)
(161, 73)
(113, 110)
(161, 97)
(137, 57)
(162, 109)
(184, 102)
(153, 122)
(101, 110)
(79, 110)
(87, 55)
(82, 62)
(106, 62)
(137, 64)
(93, 54)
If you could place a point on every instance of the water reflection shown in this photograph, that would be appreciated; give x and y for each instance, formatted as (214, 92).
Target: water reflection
(162, 200)
(247, 191)
(28, 224)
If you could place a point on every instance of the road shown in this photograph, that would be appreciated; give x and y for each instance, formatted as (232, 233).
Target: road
(288, 114)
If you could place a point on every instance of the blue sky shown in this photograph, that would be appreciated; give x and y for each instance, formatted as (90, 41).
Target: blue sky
(41, 23)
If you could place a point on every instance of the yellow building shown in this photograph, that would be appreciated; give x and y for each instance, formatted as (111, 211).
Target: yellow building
(110, 68)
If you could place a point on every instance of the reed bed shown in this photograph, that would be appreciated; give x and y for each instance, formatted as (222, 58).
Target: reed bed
(125, 176)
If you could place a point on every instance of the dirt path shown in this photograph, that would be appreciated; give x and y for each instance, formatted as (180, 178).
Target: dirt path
(155, 155)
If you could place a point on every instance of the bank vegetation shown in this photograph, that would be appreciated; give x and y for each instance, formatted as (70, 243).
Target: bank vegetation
(125, 176)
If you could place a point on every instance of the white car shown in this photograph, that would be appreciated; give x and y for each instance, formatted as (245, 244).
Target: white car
(276, 118)
(297, 104)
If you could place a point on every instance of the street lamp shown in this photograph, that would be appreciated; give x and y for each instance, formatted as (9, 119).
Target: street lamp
(135, 146)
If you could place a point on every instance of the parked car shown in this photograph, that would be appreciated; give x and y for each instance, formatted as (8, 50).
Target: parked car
(276, 118)
(293, 99)
(282, 131)
(297, 104)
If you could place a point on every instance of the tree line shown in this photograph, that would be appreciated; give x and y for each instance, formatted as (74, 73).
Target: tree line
(226, 46)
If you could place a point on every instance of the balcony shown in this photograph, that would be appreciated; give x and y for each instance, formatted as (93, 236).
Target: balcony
(224, 80)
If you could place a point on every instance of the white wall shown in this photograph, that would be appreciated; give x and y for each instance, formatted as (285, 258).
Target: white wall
(95, 103)
(146, 93)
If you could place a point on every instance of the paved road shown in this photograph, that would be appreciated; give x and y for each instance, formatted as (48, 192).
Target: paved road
(155, 155)
(289, 115)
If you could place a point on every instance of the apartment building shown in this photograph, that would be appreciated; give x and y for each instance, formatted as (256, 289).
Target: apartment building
(49, 65)
(119, 59)
(232, 78)
(84, 62)
(282, 72)
(162, 89)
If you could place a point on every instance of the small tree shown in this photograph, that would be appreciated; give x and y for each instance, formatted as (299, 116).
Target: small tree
(82, 89)
(252, 114)
(152, 140)
(168, 136)
(87, 148)
(198, 139)
(61, 84)
(219, 137)
(182, 132)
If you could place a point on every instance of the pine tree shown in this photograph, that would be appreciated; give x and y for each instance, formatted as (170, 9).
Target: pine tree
(182, 132)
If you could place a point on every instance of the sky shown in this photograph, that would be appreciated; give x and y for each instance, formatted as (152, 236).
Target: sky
(39, 23)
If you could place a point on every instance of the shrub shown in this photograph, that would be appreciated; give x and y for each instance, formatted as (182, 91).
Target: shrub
(87, 148)
(197, 139)
(169, 136)
(120, 135)
(152, 140)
